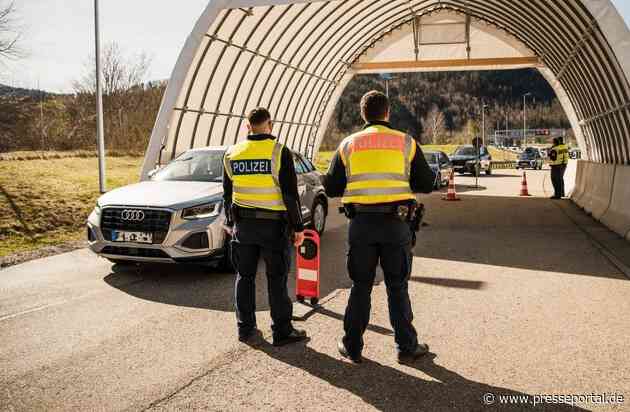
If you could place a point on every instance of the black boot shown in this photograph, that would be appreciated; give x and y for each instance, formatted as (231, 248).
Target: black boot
(408, 357)
(344, 352)
(296, 335)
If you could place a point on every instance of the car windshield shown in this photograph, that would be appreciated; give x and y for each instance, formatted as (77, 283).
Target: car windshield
(432, 158)
(194, 166)
(465, 151)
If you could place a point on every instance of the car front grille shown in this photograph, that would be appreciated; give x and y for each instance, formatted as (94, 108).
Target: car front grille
(152, 221)
(135, 252)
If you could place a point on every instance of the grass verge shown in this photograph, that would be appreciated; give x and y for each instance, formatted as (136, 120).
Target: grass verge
(46, 202)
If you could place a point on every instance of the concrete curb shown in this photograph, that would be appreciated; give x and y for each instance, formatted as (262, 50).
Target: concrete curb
(617, 217)
(597, 199)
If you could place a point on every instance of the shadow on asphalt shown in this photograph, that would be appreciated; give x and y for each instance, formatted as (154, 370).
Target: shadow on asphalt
(529, 233)
(206, 288)
(449, 283)
(389, 389)
(526, 233)
(321, 310)
(469, 188)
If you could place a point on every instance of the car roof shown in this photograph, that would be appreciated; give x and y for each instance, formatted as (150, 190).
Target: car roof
(221, 148)
(208, 148)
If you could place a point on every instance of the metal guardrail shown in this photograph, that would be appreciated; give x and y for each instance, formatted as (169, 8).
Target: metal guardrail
(507, 164)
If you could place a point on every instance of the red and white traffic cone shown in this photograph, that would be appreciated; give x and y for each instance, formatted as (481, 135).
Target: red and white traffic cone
(524, 191)
(451, 195)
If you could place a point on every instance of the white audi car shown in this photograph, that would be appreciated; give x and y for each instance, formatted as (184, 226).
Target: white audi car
(177, 215)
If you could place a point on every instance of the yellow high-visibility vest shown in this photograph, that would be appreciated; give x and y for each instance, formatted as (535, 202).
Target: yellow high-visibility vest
(254, 167)
(378, 165)
(561, 154)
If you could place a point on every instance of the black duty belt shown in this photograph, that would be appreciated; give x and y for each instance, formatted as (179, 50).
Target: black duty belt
(404, 212)
(259, 214)
(377, 209)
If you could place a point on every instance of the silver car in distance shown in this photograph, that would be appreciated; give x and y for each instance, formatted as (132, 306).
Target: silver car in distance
(176, 216)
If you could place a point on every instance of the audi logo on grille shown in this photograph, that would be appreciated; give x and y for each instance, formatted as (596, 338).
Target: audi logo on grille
(132, 215)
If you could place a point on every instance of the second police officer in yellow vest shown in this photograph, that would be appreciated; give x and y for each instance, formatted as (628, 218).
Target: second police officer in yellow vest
(376, 172)
(558, 159)
(263, 211)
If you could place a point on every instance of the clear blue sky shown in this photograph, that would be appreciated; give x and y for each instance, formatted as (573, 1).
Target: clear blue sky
(59, 36)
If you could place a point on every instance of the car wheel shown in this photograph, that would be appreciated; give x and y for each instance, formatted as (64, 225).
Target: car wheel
(318, 219)
(489, 171)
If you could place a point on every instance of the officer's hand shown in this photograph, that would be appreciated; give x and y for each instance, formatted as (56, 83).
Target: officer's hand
(298, 239)
(228, 229)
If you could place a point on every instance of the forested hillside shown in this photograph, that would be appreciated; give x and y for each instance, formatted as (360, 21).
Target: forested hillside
(439, 108)
(445, 107)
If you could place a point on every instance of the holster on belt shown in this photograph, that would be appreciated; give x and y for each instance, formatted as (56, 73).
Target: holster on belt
(239, 213)
(404, 211)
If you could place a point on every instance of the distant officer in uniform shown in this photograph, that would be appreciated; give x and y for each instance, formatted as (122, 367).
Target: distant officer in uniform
(263, 213)
(558, 159)
(377, 171)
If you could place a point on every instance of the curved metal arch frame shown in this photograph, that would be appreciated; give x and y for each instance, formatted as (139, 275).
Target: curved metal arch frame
(580, 58)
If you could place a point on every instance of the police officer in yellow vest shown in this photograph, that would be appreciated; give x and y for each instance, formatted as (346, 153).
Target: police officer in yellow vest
(376, 172)
(263, 213)
(558, 159)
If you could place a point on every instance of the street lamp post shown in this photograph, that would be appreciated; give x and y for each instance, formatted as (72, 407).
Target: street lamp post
(525, 117)
(387, 78)
(100, 129)
(483, 123)
(507, 123)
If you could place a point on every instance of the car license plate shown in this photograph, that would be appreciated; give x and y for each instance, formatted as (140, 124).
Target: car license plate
(132, 237)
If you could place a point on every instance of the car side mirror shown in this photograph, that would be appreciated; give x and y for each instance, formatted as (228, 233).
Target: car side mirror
(153, 172)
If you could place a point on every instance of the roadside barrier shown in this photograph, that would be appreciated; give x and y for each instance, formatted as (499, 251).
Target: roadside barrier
(451, 195)
(581, 182)
(617, 217)
(597, 198)
(524, 191)
(508, 164)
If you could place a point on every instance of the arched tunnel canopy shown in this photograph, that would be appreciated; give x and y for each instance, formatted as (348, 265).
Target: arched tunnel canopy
(296, 57)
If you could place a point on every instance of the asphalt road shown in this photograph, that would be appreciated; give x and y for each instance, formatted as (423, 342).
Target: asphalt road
(511, 293)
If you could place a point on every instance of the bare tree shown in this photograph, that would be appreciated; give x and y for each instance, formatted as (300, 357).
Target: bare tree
(120, 72)
(436, 125)
(9, 31)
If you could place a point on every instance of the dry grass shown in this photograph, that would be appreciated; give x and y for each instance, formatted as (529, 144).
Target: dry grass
(46, 202)
(47, 155)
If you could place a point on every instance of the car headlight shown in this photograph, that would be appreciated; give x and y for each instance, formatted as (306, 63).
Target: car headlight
(98, 209)
(202, 211)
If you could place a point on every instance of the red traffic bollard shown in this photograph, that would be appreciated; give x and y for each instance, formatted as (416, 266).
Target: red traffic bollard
(307, 268)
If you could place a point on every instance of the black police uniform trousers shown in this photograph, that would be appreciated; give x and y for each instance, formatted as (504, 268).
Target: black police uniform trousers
(557, 179)
(375, 238)
(269, 239)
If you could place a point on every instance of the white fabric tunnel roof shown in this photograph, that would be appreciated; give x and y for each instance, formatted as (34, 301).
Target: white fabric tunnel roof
(296, 57)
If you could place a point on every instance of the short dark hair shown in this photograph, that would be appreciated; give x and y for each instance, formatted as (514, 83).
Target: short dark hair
(374, 106)
(258, 116)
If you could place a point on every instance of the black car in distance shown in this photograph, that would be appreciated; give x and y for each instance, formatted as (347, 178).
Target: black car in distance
(531, 158)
